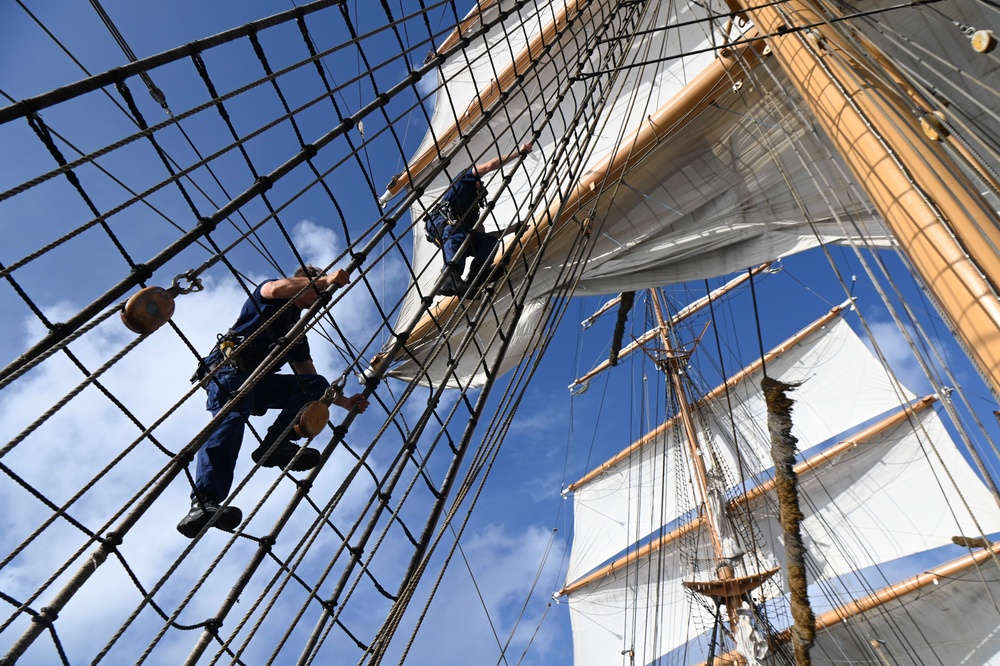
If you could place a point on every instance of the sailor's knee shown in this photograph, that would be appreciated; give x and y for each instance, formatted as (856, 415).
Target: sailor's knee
(315, 385)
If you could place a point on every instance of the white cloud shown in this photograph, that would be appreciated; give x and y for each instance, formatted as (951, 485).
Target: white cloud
(318, 245)
(427, 89)
(504, 564)
(89, 433)
(898, 354)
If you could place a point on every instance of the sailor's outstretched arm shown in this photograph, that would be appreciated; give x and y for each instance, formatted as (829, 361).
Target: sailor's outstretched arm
(358, 400)
(495, 163)
(293, 286)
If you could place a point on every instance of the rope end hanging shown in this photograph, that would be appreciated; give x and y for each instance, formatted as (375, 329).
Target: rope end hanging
(624, 306)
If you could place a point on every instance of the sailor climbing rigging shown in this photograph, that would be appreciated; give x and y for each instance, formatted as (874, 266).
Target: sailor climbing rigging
(454, 218)
(216, 460)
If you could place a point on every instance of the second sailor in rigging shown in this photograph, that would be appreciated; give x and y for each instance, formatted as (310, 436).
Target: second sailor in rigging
(454, 219)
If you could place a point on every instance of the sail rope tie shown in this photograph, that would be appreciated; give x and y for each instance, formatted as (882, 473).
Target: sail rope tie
(627, 298)
(756, 317)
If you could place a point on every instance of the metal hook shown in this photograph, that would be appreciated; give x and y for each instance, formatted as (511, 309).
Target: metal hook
(194, 282)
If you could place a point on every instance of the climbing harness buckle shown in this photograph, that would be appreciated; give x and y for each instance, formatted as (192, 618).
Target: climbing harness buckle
(226, 343)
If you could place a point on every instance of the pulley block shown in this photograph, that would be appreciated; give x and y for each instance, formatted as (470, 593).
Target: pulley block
(148, 309)
(312, 419)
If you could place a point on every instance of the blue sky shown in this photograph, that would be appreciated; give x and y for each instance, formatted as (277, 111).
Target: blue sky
(504, 547)
(553, 440)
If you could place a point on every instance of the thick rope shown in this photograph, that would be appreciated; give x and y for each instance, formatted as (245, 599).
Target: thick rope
(779, 422)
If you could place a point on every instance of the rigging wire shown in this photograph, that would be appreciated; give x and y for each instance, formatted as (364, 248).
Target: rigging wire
(846, 287)
(159, 97)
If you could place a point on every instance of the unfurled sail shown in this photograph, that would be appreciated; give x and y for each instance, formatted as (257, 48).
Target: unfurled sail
(842, 385)
(696, 167)
(922, 627)
(888, 497)
(670, 143)
(870, 501)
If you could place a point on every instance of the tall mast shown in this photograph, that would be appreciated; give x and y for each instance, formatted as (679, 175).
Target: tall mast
(714, 393)
(688, 311)
(857, 607)
(945, 228)
(866, 437)
(726, 588)
(674, 362)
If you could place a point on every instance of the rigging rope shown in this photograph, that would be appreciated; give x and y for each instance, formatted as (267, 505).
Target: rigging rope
(436, 463)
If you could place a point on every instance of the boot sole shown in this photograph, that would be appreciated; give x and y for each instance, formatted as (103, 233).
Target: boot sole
(228, 521)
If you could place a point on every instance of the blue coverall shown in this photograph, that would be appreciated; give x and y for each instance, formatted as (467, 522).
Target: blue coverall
(463, 197)
(217, 457)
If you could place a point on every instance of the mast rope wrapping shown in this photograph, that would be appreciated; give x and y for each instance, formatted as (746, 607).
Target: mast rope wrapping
(779, 423)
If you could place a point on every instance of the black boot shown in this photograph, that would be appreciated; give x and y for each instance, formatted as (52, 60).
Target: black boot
(283, 454)
(452, 284)
(202, 510)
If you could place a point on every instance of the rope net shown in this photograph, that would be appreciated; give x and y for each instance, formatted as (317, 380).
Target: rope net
(213, 166)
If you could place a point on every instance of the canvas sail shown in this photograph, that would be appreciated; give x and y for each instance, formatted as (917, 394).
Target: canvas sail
(883, 501)
(736, 179)
(663, 152)
(842, 385)
(922, 628)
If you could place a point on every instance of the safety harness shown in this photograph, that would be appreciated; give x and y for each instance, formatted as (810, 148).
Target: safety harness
(459, 206)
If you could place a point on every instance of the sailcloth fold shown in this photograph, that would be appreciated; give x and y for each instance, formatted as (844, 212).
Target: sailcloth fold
(881, 501)
(715, 170)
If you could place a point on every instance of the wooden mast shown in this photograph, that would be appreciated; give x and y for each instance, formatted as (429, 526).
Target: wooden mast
(676, 319)
(945, 228)
(673, 367)
(881, 597)
(713, 394)
(726, 588)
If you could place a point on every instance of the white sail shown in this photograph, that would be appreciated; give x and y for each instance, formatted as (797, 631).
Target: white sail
(906, 492)
(754, 181)
(922, 627)
(643, 609)
(842, 385)
(881, 501)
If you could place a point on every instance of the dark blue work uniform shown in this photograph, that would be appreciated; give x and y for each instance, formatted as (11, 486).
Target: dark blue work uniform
(449, 228)
(289, 393)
